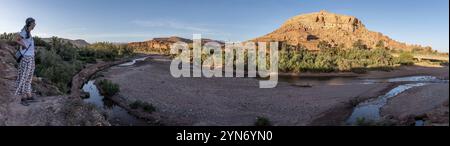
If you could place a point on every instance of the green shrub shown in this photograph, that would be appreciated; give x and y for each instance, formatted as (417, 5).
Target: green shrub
(405, 58)
(7, 36)
(359, 44)
(108, 88)
(57, 63)
(262, 121)
(360, 121)
(41, 43)
(335, 59)
(106, 51)
(147, 107)
(136, 104)
(331, 58)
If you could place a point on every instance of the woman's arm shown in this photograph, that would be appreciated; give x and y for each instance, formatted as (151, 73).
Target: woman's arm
(19, 41)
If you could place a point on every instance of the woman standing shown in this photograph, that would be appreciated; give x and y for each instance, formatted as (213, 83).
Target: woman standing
(26, 65)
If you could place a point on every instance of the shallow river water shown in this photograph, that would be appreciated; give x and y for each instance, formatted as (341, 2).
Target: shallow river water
(117, 116)
(368, 110)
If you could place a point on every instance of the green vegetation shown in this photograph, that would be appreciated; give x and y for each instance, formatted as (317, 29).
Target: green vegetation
(105, 51)
(405, 58)
(136, 104)
(7, 36)
(58, 60)
(359, 58)
(332, 58)
(108, 88)
(149, 108)
(336, 58)
(359, 44)
(262, 121)
(360, 121)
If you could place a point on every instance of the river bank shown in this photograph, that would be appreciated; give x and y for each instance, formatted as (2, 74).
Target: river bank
(51, 108)
(428, 103)
(402, 71)
(238, 101)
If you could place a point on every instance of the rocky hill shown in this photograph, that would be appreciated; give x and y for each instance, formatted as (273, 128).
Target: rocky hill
(309, 29)
(77, 43)
(57, 110)
(162, 45)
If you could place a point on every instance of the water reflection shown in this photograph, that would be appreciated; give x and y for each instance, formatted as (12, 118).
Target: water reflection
(133, 62)
(117, 116)
(355, 80)
(321, 80)
(369, 111)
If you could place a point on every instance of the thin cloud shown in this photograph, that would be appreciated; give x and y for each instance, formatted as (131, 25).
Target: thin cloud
(75, 30)
(170, 24)
(94, 37)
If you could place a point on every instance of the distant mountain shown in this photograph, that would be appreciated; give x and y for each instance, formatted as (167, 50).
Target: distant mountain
(162, 45)
(309, 29)
(77, 43)
(172, 39)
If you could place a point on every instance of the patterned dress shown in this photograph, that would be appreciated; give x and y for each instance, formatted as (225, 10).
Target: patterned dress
(25, 76)
(26, 66)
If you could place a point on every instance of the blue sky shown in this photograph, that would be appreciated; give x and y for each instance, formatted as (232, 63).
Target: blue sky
(424, 22)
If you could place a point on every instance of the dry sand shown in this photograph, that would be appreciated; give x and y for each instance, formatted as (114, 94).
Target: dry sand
(429, 102)
(403, 71)
(239, 101)
(231, 101)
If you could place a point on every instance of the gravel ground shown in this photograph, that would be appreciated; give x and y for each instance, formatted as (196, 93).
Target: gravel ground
(231, 101)
(427, 101)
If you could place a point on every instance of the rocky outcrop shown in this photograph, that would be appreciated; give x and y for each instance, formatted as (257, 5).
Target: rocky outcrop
(7, 74)
(46, 111)
(429, 103)
(162, 45)
(77, 43)
(309, 29)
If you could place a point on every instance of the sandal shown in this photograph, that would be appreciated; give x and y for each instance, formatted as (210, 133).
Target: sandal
(24, 102)
(31, 98)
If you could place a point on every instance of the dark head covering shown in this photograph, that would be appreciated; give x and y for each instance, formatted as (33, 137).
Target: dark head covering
(28, 23)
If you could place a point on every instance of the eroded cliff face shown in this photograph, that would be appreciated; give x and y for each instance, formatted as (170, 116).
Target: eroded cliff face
(309, 29)
(162, 45)
(157, 45)
(60, 110)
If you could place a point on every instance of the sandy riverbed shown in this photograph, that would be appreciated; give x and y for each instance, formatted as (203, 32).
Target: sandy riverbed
(403, 71)
(429, 102)
(238, 101)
